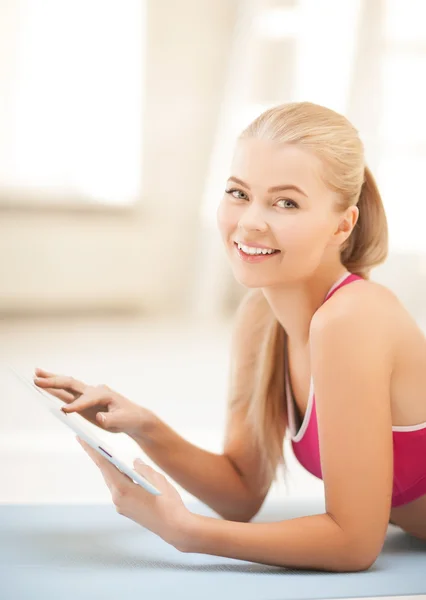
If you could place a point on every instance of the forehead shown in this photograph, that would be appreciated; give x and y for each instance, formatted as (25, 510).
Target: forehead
(264, 163)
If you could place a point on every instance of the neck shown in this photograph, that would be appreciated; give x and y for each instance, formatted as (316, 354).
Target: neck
(294, 304)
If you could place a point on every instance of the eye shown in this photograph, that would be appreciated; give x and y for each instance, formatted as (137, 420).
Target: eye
(291, 202)
(232, 190)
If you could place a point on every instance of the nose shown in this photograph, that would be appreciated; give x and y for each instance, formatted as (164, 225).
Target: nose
(252, 219)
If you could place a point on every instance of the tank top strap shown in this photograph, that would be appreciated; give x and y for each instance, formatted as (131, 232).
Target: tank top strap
(347, 278)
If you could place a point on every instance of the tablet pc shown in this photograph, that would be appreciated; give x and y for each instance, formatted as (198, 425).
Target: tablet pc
(76, 423)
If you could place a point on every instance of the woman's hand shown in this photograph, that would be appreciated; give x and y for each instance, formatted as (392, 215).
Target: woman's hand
(164, 515)
(99, 404)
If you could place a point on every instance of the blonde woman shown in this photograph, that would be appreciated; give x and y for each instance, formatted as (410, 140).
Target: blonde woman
(318, 350)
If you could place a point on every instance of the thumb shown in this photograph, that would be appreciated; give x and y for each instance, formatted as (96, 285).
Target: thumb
(157, 479)
(117, 419)
(144, 469)
(103, 418)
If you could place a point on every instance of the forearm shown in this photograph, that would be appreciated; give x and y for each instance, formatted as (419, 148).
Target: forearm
(208, 476)
(311, 542)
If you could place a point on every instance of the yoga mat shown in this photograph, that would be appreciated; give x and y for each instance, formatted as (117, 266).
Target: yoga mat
(70, 552)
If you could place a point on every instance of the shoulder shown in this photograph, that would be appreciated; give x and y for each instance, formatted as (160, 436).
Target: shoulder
(362, 303)
(364, 313)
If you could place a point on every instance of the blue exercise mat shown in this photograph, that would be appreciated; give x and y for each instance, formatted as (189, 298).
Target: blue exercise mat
(71, 552)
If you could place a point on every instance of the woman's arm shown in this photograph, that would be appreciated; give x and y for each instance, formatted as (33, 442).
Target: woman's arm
(210, 477)
(351, 363)
(312, 542)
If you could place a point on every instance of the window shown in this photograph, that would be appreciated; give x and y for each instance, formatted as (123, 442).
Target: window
(71, 117)
(403, 124)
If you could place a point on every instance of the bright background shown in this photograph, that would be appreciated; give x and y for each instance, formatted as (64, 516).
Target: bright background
(117, 124)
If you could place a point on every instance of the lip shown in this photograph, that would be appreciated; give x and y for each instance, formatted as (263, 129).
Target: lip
(253, 258)
(254, 245)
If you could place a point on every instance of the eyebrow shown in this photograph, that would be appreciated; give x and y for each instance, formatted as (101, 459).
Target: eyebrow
(276, 188)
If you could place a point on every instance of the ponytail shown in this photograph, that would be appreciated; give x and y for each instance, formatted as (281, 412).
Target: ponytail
(367, 246)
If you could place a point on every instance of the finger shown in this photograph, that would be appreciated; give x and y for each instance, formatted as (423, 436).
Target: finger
(61, 381)
(113, 420)
(67, 395)
(42, 372)
(91, 397)
(147, 471)
(61, 394)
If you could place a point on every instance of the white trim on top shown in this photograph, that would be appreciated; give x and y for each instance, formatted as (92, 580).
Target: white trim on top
(409, 427)
(290, 406)
(307, 416)
(292, 423)
(337, 283)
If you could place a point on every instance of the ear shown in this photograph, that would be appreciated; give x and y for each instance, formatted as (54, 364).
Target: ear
(346, 225)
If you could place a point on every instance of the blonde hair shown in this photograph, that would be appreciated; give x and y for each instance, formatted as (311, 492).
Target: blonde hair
(333, 139)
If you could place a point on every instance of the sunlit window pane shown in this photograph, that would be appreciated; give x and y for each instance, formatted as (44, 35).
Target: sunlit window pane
(76, 102)
(404, 97)
(405, 21)
(401, 183)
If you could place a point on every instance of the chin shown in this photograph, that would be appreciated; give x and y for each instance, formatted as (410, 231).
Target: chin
(254, 281)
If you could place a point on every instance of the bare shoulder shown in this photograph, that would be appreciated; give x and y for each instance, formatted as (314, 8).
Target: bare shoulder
(362, 300)
(366, 310)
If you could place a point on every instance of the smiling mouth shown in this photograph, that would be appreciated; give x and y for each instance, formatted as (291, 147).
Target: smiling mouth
(258, 253)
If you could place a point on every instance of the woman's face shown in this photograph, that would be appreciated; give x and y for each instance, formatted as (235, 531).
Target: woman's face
(297, 220)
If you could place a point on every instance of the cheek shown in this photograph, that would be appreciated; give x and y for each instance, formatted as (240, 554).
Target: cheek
(303, 234)
(294, 236)
(224, 219)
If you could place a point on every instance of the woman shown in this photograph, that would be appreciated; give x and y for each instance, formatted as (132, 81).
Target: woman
(318, 351)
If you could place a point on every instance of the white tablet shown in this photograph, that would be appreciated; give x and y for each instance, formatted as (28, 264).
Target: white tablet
(76, 423)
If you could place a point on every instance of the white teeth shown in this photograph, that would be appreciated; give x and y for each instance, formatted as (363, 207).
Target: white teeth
(254, 251)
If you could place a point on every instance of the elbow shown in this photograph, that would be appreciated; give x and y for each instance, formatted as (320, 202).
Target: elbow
(365, 552)
(358, 557)
(238, 516)
(243, 511)
(357, 551)
(367, 556)
(251, 512)
(352, 562)
(356, 563)
(249, 515)
(242, 514)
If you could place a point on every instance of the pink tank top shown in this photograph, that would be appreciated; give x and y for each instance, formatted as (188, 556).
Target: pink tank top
(409, 442)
